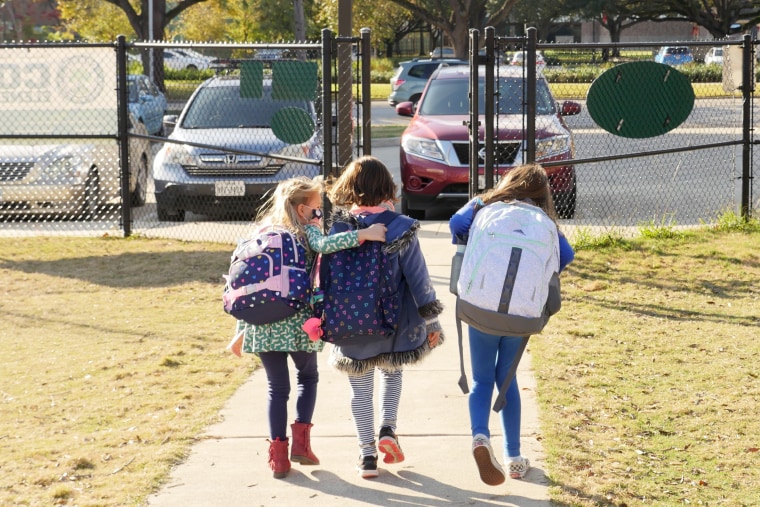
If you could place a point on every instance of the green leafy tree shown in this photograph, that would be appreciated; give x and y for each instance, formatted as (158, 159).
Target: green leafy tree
(455, 18)
(541, 14)
(388, 23)
(207, 22)
(138, 17)
(614, 15)
(93, 20)
(717, 16)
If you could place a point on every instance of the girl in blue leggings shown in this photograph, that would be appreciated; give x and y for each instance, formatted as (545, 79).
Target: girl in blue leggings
(491, 356)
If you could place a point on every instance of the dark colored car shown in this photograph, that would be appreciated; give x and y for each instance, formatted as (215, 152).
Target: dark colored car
(435, 146)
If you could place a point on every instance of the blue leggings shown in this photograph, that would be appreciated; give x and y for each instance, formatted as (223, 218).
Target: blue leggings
(278, 381)
(491, 357)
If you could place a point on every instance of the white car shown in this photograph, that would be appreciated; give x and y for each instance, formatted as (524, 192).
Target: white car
(179, 59)
(714, 56)
(76, 179)
(520, 56)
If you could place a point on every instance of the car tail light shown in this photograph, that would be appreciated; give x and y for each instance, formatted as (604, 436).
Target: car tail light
(398, 83)
(414, 183)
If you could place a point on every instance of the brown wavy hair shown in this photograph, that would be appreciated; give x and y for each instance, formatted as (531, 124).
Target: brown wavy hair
(524, 182)
(364, 182)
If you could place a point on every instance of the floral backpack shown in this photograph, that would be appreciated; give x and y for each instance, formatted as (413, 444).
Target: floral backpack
(268, 279)
(359, 299)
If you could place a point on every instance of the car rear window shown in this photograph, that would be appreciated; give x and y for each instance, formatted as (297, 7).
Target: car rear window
(423, 70)
(450, 97)
(223, 107)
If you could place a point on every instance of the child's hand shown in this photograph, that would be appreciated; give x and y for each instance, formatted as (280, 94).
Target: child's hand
(434, 339)
(375, 232)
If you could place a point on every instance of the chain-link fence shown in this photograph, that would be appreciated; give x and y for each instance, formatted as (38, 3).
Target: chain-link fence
(648, 143)
(59, 149)
(207, 129)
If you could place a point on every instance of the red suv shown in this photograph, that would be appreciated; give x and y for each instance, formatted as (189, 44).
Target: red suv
(435, 146)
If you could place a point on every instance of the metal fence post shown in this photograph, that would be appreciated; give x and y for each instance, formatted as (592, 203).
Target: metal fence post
(530, 96)
(474, 124)
(327, 116)
(748, 88)
(123, 134)
(366, 91)
(489, 96)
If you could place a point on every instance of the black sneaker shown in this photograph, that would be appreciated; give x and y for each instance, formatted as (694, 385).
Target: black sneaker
(388, 445)
(367, 467)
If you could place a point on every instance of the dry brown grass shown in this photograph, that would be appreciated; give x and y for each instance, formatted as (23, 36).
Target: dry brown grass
(113, 363)
(648, 377)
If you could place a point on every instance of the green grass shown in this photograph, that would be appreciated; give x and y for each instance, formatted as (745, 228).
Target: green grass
(647, 379)
(181, 90)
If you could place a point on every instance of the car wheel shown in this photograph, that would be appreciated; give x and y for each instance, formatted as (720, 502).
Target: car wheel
(165, 216)
(414, 99)
(417, 214)
(139, 195)
(91, 199)
(564, 203)
(191, 67)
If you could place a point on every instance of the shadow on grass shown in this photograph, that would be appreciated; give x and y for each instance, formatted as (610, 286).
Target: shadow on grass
(133, 269)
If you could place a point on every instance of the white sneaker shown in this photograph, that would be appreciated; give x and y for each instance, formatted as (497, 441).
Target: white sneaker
(490, 471)
(518, 467)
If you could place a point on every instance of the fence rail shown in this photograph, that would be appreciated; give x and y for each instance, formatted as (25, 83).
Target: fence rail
(88, 146)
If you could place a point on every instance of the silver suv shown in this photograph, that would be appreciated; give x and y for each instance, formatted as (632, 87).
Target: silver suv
(235, 145)
(412, 76)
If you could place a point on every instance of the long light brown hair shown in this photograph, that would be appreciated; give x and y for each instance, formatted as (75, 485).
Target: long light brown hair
(528, 181)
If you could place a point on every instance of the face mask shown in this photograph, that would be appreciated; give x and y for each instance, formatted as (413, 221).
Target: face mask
(316, 213)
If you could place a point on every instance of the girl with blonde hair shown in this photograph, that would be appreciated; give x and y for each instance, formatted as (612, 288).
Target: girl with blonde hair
(296, 205)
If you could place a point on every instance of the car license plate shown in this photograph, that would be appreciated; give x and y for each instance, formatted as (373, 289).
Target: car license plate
(229, 188)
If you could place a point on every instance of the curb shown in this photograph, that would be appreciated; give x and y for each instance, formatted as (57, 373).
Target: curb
(386, 142)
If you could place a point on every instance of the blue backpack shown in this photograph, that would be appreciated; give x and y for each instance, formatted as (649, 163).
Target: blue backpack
(359, 299)
(268, 278)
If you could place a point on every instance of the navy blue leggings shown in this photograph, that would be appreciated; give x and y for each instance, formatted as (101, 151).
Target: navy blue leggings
(278, 381)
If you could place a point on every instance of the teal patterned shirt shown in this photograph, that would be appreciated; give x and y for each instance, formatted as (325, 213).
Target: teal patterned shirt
(287, 335)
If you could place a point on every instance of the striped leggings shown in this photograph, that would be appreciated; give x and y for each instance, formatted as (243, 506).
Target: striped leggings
(362, 406)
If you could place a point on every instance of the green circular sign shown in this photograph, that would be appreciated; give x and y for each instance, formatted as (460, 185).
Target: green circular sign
(293, 125)
(640, 99)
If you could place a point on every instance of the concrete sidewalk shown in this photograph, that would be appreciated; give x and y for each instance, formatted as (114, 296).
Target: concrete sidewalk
(229, 467)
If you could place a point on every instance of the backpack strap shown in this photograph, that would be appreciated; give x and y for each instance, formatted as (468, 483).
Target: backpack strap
(501, 398)
(384, 217)
(462, 375)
